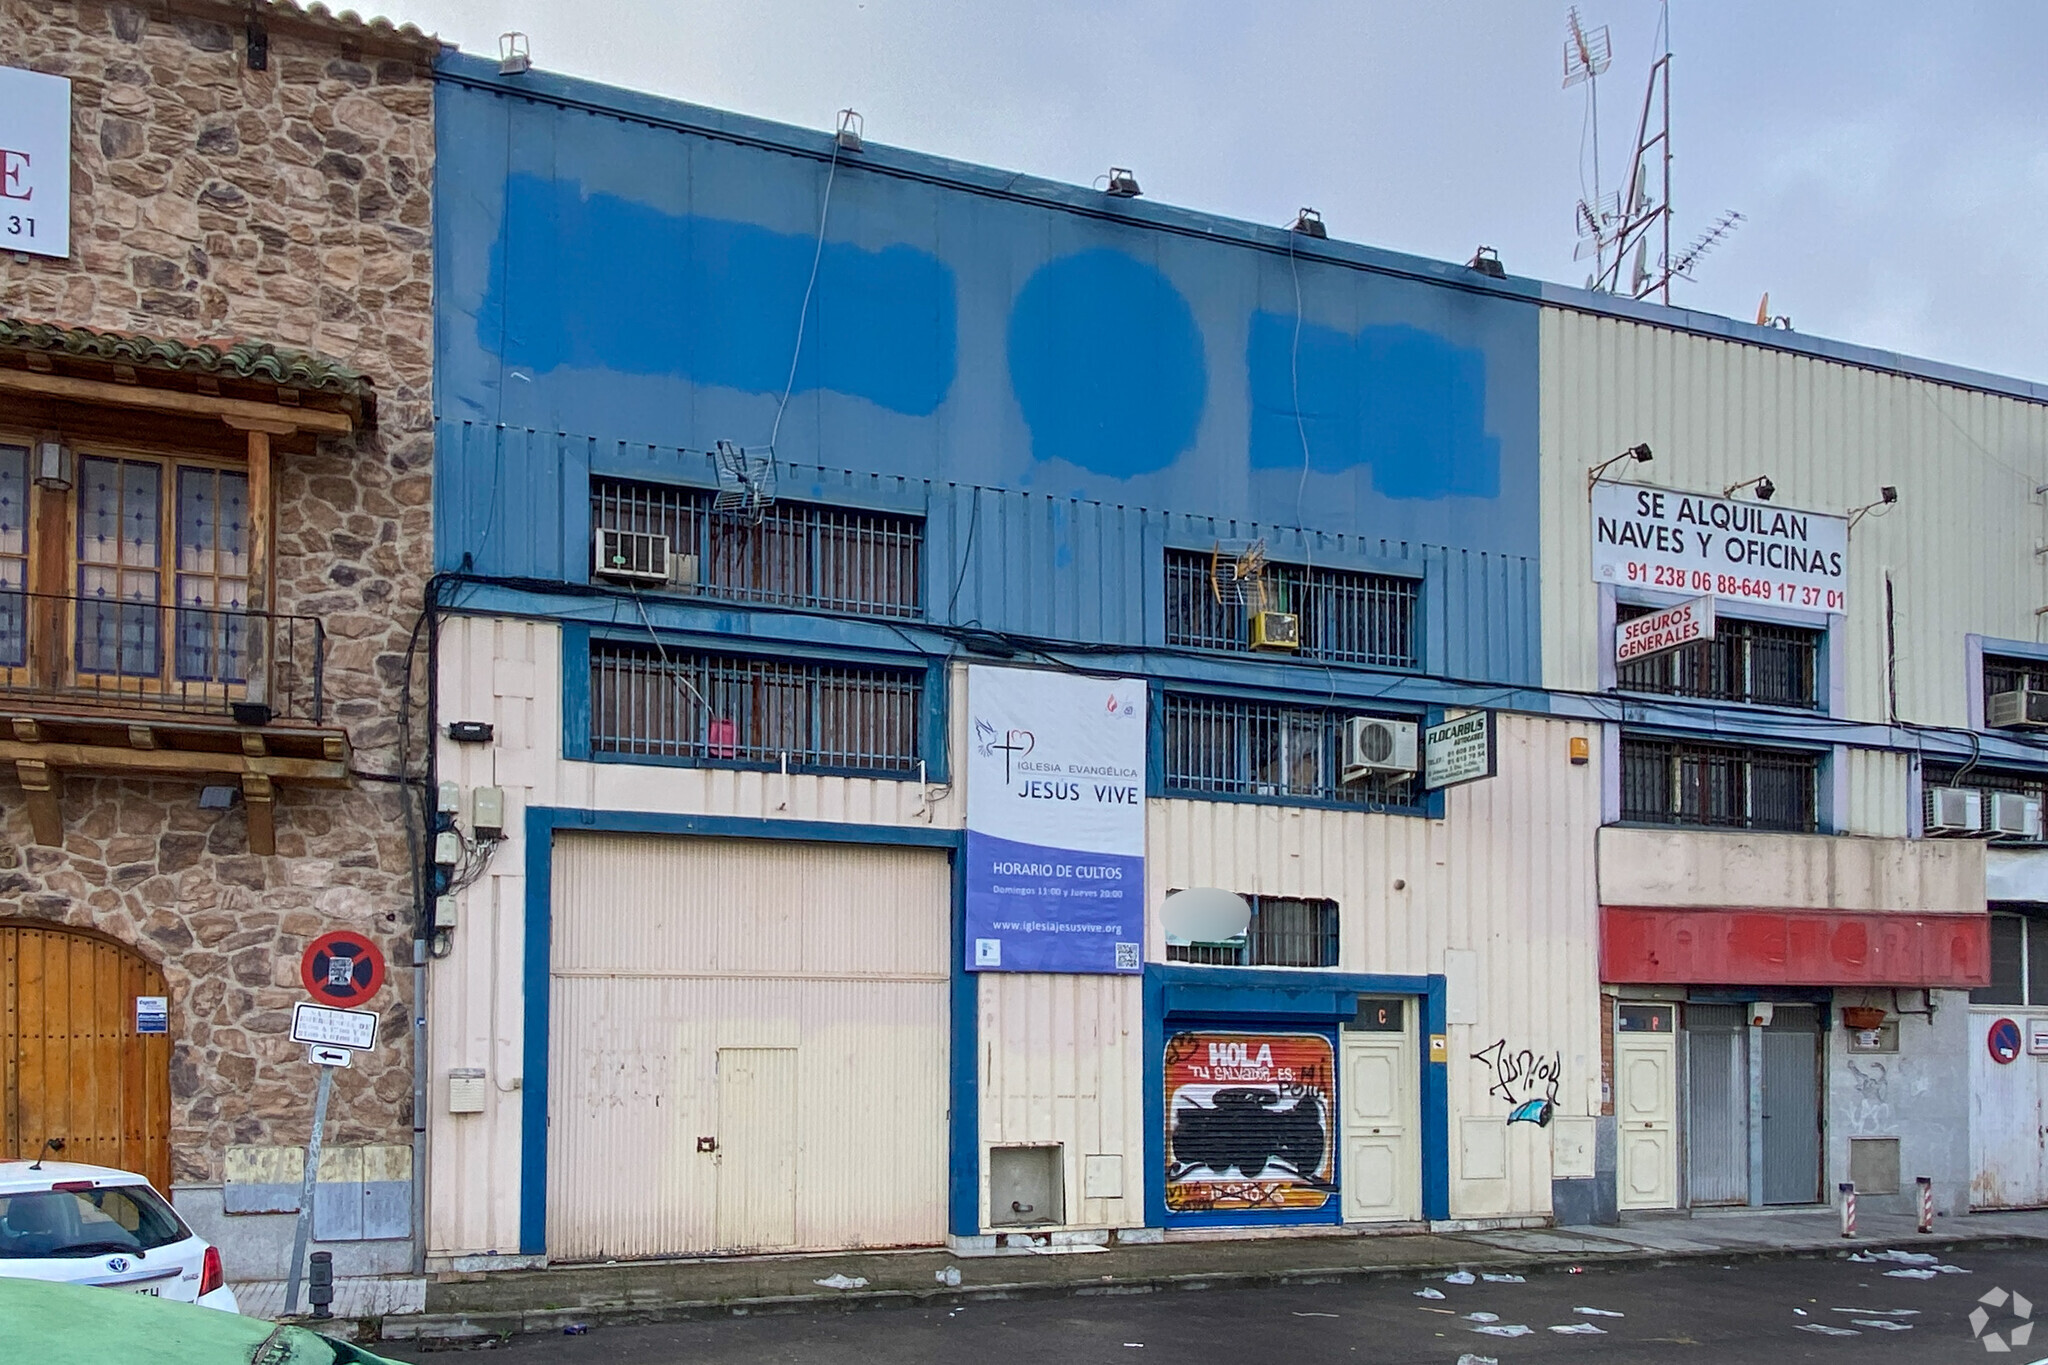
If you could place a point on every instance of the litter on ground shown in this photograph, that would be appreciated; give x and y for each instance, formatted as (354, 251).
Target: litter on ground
(1315, 1315)
(1482, 1317)
(1828, 1331)
(1506, 1330)
(949, 1277)
(1882, 1312)
(1908, 1257)
(1459, 1277)
(842, 1282)
(1600, 1312)
(1427, 1293)
(1504, 1279)
(1883, 1324)
(1580, 1329)
(1469, 1359)
(1911, 1274)
(1951, 1270)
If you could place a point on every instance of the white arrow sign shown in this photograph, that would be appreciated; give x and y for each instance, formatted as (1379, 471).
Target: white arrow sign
(322, 1055)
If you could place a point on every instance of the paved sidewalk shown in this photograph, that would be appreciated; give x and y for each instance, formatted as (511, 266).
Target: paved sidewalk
(355, 1297)
(471, 1307)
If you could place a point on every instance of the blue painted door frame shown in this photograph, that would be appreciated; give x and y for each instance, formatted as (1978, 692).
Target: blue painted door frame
(963, 1124)
(1240, 998)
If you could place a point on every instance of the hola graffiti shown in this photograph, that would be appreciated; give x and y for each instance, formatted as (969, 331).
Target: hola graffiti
(1248, 1122)
(1524, 1080)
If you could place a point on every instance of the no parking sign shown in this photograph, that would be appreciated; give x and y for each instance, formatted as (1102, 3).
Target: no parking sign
(2004, 1041)
(343, 968)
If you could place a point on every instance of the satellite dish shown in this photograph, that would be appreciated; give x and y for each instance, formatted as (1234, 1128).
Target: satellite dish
(1205, 914)
(746, 483)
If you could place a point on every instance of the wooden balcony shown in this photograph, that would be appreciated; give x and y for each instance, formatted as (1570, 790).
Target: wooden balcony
(139, 688)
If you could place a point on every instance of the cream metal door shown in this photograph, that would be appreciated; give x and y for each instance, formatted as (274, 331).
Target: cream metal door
(1646, 1100)
(757, 1154)
(1382, 1170)
(2008, 1114)
(747, 1045)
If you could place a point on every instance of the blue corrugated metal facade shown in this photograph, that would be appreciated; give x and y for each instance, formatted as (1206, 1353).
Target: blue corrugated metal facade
(1063, 385)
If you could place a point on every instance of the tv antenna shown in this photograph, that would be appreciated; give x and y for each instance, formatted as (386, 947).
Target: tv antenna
(1587, 54)
(746, 483)
(1620, 232)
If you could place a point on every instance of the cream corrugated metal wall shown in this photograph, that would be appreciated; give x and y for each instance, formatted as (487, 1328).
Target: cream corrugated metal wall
(1959, 544)
(1879, 786)
(669, 950)
(1061, 1062)
(1507, 877)
(509, 672)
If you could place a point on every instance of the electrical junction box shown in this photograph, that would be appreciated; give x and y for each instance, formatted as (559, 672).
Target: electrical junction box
(447, 848)
(1026, 1186)
(466, 1090)
(450, 798)
(444, 912)
(487, 812)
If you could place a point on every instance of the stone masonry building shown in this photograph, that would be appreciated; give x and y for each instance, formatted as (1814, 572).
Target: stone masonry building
(215, 461)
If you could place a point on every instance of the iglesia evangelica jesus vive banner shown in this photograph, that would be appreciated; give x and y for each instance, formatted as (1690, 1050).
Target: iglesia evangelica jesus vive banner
(1055, 822)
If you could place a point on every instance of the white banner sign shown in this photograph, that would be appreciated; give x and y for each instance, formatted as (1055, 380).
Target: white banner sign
(336, 1028)
(35, 162)
(1642, 636)
(1749, 551)
(1055, 822)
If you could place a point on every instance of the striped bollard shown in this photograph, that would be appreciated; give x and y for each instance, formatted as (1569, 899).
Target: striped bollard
(1848, 1189)
(1926, 1185)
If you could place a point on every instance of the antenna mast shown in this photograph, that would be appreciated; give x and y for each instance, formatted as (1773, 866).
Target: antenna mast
(1641, 214)
(1587, 53)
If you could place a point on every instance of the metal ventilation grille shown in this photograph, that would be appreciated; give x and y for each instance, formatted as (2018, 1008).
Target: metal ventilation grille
(710, 708)
(1346, 616)
(1263, 750)
(797, 555)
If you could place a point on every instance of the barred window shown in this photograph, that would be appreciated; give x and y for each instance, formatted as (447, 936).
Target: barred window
(1346, 616)
(2019, 958)
(800, 555)
(1749, 661)
(728, 709)
(1677, 782)
(2003, 673)
(1285, 932)
(1259, 749)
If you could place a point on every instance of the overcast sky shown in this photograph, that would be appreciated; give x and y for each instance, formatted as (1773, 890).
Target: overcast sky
(1890, 159)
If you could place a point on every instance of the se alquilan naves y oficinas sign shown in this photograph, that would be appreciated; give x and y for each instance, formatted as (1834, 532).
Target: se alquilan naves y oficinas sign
(1749, 551)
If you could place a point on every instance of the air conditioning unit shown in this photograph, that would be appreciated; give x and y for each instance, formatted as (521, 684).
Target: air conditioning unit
(2013, 816)
(2021, 710)
(631, 556)
(1276, 630)
(1374, 745)
(1953, 810)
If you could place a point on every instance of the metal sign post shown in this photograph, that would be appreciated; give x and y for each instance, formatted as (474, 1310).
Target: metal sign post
(332, 1036)
(291, 1284)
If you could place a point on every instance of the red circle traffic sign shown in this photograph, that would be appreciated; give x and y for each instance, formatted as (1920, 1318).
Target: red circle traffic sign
(342, 968)
(2004, 1041)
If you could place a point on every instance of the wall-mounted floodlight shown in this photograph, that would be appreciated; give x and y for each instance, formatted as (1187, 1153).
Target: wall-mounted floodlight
(1309, 223)
(514, 58)
(851, 126)
(1886, 496)
(1765, 489)
(1487, 262)
(1121, 184)
(1640, 453)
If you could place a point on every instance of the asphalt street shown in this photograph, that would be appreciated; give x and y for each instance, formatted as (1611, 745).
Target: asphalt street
(1743, 1311)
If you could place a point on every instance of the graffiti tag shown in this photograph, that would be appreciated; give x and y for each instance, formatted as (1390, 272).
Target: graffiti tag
(1525, 1080)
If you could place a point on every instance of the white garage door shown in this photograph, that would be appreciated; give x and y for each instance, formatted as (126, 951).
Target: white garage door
(749, 1046)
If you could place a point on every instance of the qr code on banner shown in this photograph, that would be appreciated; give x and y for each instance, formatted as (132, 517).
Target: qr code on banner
(1127, 957)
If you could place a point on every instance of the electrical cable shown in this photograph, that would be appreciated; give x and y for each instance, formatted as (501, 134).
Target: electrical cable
(803, 311)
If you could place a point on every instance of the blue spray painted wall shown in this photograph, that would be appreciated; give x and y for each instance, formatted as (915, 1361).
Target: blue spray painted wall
(632, 272)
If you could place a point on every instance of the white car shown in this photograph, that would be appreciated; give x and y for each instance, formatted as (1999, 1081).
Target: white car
(93, 1225)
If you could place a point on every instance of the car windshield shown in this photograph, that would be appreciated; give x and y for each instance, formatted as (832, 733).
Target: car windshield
(85, 1222)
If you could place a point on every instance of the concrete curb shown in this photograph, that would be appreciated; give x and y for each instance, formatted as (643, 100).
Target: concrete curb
(458, 1330)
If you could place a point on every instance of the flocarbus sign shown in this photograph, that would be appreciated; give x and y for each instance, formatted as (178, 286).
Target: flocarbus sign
(1718, 547)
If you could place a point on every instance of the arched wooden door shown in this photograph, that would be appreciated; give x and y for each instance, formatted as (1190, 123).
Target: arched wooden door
(71, 1062)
